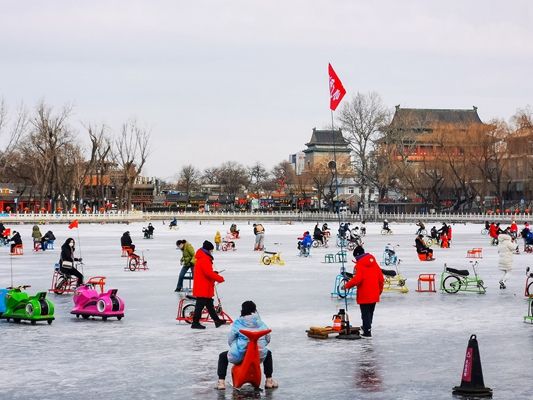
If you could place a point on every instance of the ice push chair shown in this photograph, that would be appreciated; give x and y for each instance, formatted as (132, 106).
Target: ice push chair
(249, 370)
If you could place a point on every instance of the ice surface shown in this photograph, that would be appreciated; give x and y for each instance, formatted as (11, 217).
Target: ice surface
(417, 351)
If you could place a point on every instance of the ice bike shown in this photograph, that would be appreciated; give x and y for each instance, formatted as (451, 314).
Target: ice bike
(187, 305)
(454, 280)
(272, 257)
(528, 292)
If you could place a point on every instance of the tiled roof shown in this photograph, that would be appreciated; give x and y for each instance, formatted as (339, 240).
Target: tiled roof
(427, 118)
(327, 137)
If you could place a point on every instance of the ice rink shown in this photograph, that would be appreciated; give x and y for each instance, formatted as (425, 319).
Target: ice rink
(417, 351)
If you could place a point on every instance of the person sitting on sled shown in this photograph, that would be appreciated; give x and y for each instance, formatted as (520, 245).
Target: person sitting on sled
(325, 229)
(234, 231)
(47, 238)
(305, 242)
(343, 230)
(238, 343)
(16, 239)
(67, 259)
(125, 241)
(422, 248)
(434, 233)
(173, 223)
(149, 231)
(318, 234)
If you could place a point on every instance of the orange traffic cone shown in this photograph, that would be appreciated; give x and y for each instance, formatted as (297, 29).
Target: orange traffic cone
(472, 378)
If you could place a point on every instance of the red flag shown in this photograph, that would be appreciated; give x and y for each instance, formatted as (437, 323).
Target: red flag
(336, 90)
(73, 224)
(7, 232)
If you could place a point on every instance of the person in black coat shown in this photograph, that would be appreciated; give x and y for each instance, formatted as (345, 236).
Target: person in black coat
(125, 240)
(318, 234)
(47, 237)
(67, 259)
(421, 247)
(16, 239)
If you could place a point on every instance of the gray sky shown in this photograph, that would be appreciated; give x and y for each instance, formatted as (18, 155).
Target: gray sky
(246, 80)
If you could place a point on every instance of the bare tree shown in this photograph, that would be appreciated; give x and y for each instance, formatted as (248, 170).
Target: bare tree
(258, 176)
(15, 131)
(362, 119)
(188, 180)
(232, 176)
(131, 152)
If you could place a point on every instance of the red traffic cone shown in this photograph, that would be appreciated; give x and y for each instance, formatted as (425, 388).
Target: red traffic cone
(472, 378)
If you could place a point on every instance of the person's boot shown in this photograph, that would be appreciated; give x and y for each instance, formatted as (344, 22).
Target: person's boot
(221, 384)
(220, 322)
(502, 285)
(366, 335)
(197, 325)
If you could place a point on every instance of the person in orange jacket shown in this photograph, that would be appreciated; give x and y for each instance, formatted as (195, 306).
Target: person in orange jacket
(204, 285)
(369, 281)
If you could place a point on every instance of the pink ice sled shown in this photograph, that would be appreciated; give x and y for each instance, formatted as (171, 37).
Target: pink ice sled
(89, 303)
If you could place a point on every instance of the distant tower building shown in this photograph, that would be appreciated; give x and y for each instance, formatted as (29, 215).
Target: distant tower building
(298, 162)
(324, 146)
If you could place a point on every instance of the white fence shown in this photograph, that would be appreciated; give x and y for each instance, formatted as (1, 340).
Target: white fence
(285, 216)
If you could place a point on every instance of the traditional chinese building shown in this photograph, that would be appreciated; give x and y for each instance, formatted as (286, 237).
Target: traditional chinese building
(325, 146)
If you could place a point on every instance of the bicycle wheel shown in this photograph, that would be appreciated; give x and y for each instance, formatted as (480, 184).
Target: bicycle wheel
(133, 263)
(342, 293)
(60, 286)
(484, 231)
(451, 284)
(351, 246)
(529, 289)
(316, 244)
(188, 312)
(266, 260)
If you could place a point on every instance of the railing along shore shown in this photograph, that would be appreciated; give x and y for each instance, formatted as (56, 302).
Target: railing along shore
(283, 216)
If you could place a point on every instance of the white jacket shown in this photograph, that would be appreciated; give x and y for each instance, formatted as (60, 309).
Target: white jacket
(506, 248)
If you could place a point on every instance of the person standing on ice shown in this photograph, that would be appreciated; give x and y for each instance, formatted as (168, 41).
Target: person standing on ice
(204, 285)
(259, 232)
(369, 281)
(506, 248)
(218, 240)
(249, 320)
(187, 261)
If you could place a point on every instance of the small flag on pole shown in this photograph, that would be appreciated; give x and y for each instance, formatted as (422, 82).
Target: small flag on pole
(73, 224)
(336, 90)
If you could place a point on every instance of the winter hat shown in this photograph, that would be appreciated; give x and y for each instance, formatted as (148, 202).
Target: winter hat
(359, 251)
(248, 308)
(207, 245)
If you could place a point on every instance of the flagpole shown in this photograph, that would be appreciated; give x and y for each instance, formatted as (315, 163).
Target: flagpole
(337, 93)
(79, 247)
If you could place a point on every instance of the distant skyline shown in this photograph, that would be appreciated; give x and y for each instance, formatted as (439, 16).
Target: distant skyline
(246, 80)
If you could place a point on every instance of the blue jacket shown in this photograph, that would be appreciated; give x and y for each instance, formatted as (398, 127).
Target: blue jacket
(238, 342)
(307, 241)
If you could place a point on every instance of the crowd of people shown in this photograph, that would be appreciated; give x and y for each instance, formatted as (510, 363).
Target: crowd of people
(368, 277)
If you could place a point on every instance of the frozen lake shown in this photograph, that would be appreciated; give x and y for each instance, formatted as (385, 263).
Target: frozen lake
(417, 351)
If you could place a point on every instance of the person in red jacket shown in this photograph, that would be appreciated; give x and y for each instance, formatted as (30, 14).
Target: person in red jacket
(204, 285)
(369, 281)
